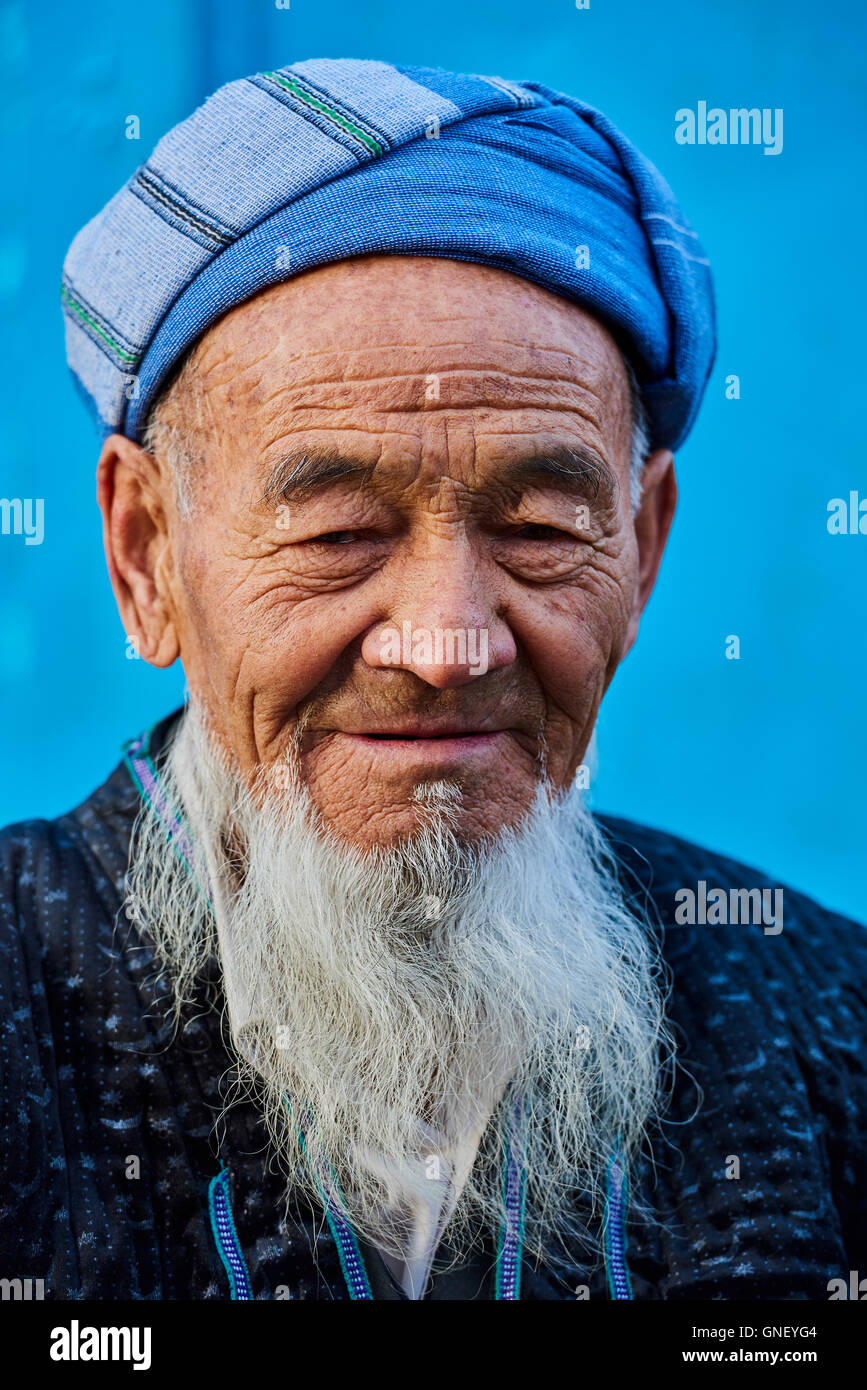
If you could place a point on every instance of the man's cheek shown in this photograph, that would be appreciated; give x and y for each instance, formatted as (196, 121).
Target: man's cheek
(604, 614)
(574, 653)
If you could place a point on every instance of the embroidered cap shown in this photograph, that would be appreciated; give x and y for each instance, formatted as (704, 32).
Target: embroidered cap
(332, 158)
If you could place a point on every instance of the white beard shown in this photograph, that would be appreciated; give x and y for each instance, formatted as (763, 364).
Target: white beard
(414, 983)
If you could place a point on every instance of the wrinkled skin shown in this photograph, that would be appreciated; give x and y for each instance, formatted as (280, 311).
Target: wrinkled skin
(277, 607)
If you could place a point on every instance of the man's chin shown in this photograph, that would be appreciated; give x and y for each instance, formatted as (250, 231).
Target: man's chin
(470, 822)
(378, 793)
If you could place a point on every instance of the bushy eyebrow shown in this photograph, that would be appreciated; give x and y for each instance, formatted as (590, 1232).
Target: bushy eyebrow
(302, 472)
(574, 469)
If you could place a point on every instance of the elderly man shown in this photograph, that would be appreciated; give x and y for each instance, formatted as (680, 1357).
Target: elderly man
(336, 988)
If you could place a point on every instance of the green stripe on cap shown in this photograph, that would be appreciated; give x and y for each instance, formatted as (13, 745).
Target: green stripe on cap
(297, 90)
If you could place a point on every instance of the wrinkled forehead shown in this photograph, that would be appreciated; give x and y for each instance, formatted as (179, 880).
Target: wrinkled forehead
(388, 336)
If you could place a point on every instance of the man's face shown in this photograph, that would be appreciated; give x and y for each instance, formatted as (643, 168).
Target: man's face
(410, 530)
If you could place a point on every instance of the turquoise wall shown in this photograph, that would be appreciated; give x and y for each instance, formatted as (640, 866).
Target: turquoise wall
(761, 757)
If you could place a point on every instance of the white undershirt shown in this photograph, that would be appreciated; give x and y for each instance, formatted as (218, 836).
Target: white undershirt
(421, 1200)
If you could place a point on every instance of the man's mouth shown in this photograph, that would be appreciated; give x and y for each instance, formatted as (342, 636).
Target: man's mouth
(436, 744)
(402, 734)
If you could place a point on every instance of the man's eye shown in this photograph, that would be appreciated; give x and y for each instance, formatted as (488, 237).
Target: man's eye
(336, 538)
(537, 532)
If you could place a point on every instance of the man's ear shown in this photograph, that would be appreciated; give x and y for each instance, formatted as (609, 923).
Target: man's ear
(652, 524)
(134, 497)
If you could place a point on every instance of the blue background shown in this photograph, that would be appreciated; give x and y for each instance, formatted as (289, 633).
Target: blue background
(761, 757)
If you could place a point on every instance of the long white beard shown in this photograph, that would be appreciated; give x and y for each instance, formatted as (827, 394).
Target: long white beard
(376, 989)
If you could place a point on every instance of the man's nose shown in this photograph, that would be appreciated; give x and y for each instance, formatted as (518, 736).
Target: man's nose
(444, 623)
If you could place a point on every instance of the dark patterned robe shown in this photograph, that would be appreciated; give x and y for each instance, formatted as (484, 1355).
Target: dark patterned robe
(110, 1145)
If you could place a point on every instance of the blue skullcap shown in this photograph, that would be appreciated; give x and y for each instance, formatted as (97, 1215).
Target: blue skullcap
(332, 158)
